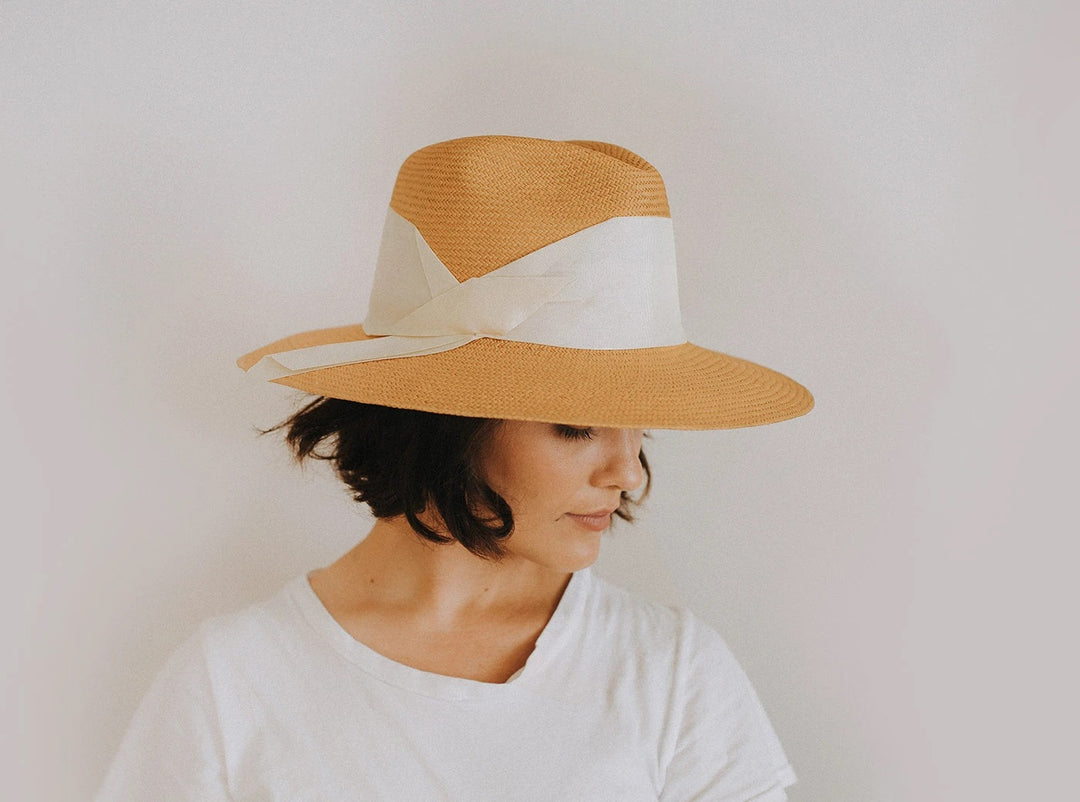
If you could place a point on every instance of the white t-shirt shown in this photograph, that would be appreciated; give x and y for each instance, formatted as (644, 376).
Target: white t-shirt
(621, 700)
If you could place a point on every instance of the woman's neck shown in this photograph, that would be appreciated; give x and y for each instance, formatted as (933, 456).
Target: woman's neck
(439, 608)
(441, 584)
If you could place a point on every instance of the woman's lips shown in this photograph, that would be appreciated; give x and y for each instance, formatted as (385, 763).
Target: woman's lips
(594, 521)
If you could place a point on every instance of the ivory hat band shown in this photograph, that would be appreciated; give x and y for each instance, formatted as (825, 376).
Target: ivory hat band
(533, 280)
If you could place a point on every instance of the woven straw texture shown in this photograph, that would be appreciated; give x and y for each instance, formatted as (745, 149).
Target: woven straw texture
(482, 202)
(674, 387)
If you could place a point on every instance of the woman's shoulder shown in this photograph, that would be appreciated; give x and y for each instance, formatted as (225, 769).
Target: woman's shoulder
(629, 608)
(717, 733)
(210, 685)
(272, 624)
(646, 624)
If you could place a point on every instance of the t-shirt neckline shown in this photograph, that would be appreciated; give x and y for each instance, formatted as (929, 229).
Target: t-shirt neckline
(441, 686)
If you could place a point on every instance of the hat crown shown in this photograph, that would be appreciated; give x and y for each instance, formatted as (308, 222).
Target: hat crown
(482, 202)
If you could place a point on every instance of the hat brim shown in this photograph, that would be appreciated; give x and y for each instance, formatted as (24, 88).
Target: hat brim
(671, 387)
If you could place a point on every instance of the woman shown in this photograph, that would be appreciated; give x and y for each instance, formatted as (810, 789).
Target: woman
(523, 330)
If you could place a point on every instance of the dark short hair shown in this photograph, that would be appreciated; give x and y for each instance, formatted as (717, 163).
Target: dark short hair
(404, 461)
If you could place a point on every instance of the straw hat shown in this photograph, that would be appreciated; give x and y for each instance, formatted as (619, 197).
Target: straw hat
(530, 279)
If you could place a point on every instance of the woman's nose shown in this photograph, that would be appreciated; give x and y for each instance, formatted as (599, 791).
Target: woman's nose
(622, 461)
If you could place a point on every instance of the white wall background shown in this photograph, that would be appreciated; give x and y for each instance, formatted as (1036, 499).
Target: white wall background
(879, 198)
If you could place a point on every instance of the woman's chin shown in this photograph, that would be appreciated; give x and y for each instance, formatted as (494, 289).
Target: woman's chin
(584, 553)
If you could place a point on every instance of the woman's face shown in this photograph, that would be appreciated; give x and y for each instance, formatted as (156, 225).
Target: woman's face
(562, 484)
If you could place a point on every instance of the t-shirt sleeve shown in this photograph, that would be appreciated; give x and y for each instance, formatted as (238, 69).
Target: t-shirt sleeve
(172, 749)
(725, 749)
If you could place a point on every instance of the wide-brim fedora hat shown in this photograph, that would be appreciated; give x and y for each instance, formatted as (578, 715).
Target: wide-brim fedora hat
(530, 279)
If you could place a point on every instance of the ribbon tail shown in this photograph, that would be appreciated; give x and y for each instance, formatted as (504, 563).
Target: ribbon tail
(304, 360)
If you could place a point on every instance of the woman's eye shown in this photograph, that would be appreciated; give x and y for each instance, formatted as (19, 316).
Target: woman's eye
(574, 433)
